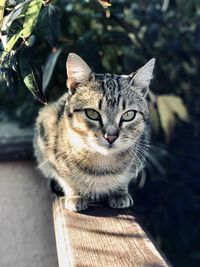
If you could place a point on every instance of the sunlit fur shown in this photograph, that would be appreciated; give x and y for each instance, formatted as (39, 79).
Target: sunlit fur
(71, 148)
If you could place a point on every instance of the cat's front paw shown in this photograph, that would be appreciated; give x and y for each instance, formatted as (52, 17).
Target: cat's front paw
(120, 201)
(76, 203)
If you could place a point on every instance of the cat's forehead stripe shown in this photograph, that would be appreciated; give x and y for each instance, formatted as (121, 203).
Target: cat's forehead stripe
(118, 99)
(123, 105)
(110, 87)
(115, 94)
(100, 104)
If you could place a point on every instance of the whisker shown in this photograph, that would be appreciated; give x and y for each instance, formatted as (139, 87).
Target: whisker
(133, 153)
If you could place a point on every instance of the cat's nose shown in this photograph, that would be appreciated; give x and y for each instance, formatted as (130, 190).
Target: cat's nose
(110, 137)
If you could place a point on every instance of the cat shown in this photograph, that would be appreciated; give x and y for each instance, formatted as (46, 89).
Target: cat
(94, 140)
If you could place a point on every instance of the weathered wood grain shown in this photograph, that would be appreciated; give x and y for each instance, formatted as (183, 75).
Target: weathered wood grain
(102, 237)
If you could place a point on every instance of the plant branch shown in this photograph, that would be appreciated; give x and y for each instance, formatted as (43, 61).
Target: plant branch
(131, 30)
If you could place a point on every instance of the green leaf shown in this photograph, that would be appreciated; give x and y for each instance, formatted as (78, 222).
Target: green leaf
(31, 74)
(154, 119)
(49, 24)
(49, 67)
(30, 21)
(170, 107)
(2, 7)
(13, 15)
(31, 17)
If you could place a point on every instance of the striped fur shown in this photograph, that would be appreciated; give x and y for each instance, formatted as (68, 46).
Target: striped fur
(71, 149)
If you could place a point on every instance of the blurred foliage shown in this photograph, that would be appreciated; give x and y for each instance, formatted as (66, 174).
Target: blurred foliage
(36, 37)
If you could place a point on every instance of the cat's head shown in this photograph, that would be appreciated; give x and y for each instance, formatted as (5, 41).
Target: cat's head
(108, 112)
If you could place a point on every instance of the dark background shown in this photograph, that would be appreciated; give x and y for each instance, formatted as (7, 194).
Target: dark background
(120, 40)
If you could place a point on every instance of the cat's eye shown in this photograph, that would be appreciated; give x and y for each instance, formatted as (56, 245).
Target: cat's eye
(128, 116)
(92, 114)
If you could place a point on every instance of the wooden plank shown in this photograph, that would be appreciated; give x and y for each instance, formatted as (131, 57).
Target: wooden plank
(102, 237)
(15, 142)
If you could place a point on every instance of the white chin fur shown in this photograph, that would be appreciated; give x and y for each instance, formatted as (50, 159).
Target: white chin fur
(100, 149)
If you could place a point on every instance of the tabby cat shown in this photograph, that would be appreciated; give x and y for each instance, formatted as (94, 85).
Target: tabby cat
(95, 138)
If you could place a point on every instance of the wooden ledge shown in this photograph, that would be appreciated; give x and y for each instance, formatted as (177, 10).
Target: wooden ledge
(102, 237)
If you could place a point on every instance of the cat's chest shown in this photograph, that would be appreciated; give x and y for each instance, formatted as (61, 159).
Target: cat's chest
(95, 176)
(96, 185)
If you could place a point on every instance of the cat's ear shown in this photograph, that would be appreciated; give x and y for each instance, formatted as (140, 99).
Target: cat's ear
(78, 72)
(141, 79)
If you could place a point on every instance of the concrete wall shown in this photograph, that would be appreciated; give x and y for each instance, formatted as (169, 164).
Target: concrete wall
(26, 225)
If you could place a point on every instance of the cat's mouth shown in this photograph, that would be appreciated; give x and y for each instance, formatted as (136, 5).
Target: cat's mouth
(109, 146)
(103, 148)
